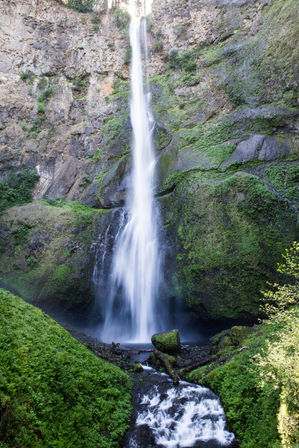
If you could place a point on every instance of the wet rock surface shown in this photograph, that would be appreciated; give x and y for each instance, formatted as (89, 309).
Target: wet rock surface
(167, 415)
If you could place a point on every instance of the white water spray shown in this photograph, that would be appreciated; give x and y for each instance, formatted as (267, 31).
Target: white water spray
(135, 277)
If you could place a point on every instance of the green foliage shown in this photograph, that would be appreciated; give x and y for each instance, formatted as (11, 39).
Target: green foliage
(35, 128)
(251, 396)
(44, 96)
(81, 5)
(281, 297)
(21, 233)
(113, 127)
(157, 46)
(279, 365)
(83, 212)
(121, 19)
(24, 76)
(96, 156)
(53, 391)
(80, 82)
(190, 79)
(184, 60)
(42, 84)
(258, 382)
(128, 55)
(17, 188)
(149, 22)
(285, 179)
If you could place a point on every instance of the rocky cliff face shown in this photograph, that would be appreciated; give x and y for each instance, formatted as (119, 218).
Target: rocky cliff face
(223, 77)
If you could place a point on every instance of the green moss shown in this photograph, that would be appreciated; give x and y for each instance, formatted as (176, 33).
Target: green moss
(53, 391)
(285, 179)
(45, 251)
(243, 229)
(113, 127)
(168, 342)
(184, 60)
(121, 89)
(121, 18)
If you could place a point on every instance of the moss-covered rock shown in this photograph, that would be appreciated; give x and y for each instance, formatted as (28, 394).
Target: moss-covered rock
(53, 391)
(228, 233)
(45, 252)
(227, 341)
(167, 342)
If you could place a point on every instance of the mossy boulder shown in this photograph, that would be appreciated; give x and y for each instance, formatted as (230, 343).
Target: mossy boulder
(167, 342)
(53, 390)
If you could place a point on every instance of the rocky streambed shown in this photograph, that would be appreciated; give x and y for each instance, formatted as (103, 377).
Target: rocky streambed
(168, 412)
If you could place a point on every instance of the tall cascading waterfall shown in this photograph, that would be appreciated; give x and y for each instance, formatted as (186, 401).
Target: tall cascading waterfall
(130, 314)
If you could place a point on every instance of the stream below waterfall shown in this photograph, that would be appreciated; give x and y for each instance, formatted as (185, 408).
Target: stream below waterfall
(167, 415)
(182, 416)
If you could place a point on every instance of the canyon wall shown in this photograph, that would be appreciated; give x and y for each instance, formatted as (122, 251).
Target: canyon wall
(223, 77)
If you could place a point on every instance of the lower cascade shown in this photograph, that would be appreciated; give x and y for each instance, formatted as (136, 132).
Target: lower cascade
(135, 273)
(180, 416)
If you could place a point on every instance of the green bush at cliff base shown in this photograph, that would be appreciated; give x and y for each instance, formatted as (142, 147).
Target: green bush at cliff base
(257, 379)
(53, 391)
(17, 188)
(252, 396)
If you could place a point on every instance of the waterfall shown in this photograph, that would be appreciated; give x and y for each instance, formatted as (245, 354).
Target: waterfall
(130, 314)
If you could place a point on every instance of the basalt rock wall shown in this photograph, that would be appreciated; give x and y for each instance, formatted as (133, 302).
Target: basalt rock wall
(223, 79)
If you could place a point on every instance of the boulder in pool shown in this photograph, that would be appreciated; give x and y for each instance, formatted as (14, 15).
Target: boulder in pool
(167, 342)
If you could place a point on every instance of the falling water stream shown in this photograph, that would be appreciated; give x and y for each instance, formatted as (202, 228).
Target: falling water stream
(165, 415)
(135, 276)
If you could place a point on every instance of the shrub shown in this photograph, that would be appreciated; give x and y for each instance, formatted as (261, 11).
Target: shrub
(257, 381)
(121, 19)
(157, 46)
(27, 75)
(280, 297)
(24, 75)
(180, 30)
(184, 60)
(45, 95)
(96, 18)
(81, 5)
(17, 188)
